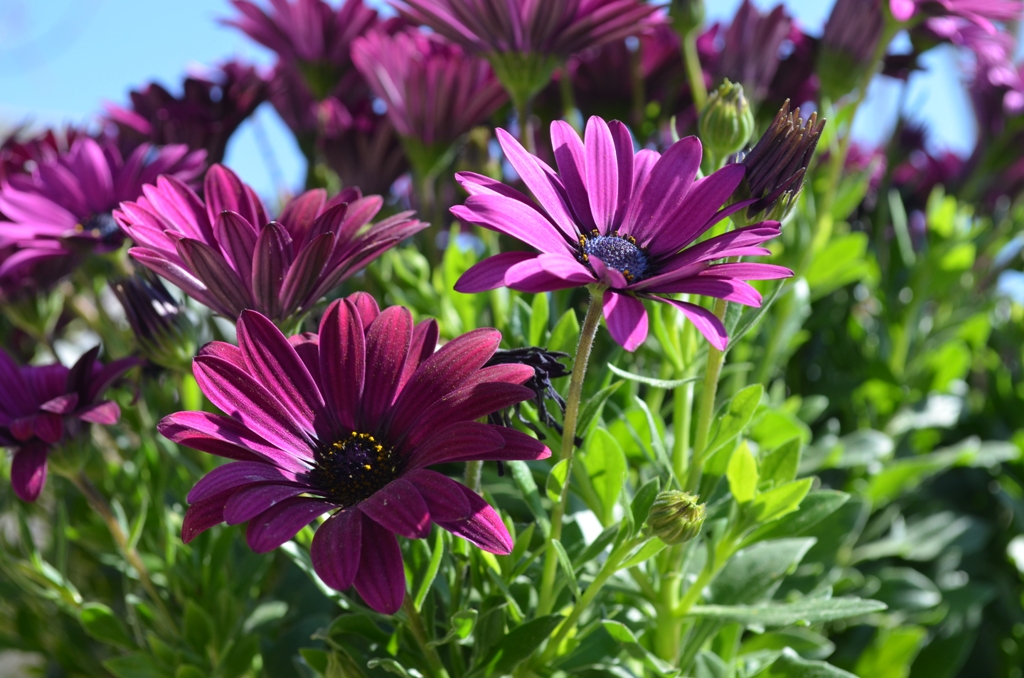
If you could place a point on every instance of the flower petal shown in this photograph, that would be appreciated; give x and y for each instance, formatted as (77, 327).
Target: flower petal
(660, 196)
(542, 182)
(233, 475)
(342, 361)
(513, 218)
(548, 272)
(277, 525)
(272, 257)
(444, 498)
(28, 471)
(399, 507)
(571, 157)
(483, 528)
(626, 319)
(380, 579)
(229, 438)
(336, 548)
(747, 271)
(387, 345)
(704, 320)
(220, 279)
(490, 273)
(606, 274)
(720, 288)
(602, 173)
(250, 501)
(691, 218)
(203, 515)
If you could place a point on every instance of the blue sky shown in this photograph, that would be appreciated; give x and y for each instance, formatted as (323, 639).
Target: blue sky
(60, 60)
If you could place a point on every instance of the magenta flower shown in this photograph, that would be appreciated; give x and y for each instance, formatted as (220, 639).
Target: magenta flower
(524, 39)
(434, 92)
(64, 207)
(313, 38)
(40, 406)
(981, 12)
(623, 220)
(211, 107)
(228, 255)
(751, 50)
(346, 423)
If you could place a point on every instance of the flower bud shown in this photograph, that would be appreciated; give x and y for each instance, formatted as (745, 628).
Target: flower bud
(675, 517)
(687, 15)
(848, 45)
(163, 331)
(776, 167)
(726, 122)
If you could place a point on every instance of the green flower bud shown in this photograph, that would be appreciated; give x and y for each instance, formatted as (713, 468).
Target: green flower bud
(726, 122)
(163, 331)
(687, 15)
(675, 517)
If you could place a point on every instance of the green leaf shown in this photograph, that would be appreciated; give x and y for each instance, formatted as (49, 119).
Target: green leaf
(742, 474)
(812, 611)
(135, 665)
(190, 671)
(782, 500)
(843, 261)
(570, 573)
(656, 432)
(239, 659)
(564, 336)
(556, 480)
(736, 418)
(463, 623)
(892, 652)
(389, 665)
(524, 479)
(791, 665)
(754, 572)
(644, 553)
(605, 464)
(272, 610)
(781, 464)
(436, 553)
(921, 539)
(317, 659)
(198, 629)
(752, 316)
(517, 645)
(650, 381)
(621, 633)
(100, 622)
(539, 319)
(591, 410)
(815, 507)
(645, 496)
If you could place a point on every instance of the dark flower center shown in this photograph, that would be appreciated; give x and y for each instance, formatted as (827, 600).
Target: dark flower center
(100, 226)
(353, 468)
(616, 251)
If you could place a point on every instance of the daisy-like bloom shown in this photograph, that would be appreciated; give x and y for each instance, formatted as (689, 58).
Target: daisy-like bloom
(63, 207)
(228, 255)
(311, 37)
(20, 155)
(848, 44)
(346, 422)
(211, 107)
(625, 221)
(751, 50)
(524, 39)
(434, 91)
(980, 12)
(41, 406)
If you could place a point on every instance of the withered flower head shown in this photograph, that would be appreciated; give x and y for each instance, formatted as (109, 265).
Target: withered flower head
(546, 366)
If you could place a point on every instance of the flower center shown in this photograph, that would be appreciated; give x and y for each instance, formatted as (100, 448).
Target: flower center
(353, 468)
(616, 251)
(100, 226)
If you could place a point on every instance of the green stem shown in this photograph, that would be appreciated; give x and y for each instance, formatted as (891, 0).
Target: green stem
(682, 412)
(694, 74)
(706, 409)
(99, 504)
(474, 470)
(524, 114)
(572, 405)
(419, 631)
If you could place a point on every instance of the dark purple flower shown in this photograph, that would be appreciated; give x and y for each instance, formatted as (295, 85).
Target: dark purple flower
(345, 423)
(623, 220)
(751, 49)
(227, 254)
(40, 406)
(848, 44)
(980, 12)
(313, 39)
(434, 91)
(63, 207)
(524, 39)
(211, 107)
(21, 155)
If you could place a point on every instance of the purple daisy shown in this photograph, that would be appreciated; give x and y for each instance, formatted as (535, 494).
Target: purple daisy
(64, 206)
(623, 220)
(228, 255)
(210, 108)
(346, 422)
(980, 12)
(751, 50)
(42, 405)
(434, 91)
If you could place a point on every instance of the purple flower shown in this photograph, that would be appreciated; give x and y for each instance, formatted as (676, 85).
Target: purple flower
(63, 207)
(751, 50)
(209, 110)
(525, 39)
(347, 422)
(434, 92)
(20, 155)
(626, 221)
(980, 12)
(313, 38)
(227, 254)
(848, 44)
(42, 405)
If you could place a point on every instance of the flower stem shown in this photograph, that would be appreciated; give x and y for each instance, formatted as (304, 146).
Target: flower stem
(698, 90)
(523, 113)
(474, 470)
(572, 405)
(99, 504)
(419, 631)
(706, 408)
